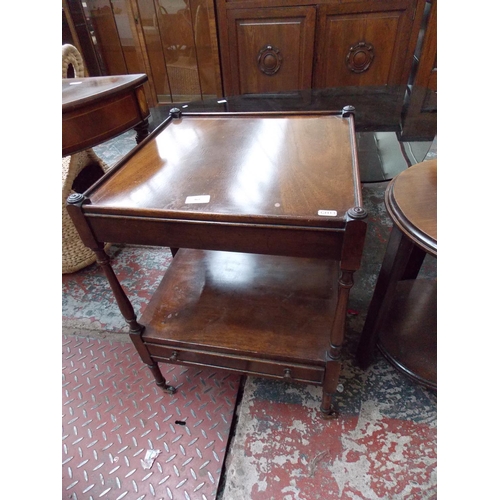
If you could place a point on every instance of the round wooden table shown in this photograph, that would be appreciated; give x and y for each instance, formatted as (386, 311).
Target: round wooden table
(402, 316)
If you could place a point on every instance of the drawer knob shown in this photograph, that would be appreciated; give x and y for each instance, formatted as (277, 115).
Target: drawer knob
(174, 356)
(269, 60)
(287, 374)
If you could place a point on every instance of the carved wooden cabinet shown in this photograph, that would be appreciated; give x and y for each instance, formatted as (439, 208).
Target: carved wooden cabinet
(280, 46)
(271, 49)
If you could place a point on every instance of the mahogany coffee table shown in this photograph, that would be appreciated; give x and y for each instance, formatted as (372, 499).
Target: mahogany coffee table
(264, 216)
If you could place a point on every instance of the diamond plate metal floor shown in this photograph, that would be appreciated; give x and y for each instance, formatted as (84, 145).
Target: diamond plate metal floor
(113, 413)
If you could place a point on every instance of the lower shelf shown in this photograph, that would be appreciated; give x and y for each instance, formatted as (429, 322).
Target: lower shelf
(408, 338)
(259, 314)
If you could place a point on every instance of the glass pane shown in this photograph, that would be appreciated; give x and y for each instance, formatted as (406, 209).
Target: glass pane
(176, 31)
(154, 48)
(205, 35)
(125, 26)
(108, 41)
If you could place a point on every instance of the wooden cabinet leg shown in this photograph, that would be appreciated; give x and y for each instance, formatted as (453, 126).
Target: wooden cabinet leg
(142, 131)
(135, 329)
(329, 408)
(399, 259)
(414, 264)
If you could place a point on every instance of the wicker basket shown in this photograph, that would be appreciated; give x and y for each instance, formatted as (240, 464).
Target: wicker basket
(75, 255)
(71, 57)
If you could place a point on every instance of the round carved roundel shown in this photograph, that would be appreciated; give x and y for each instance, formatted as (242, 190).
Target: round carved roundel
(269, 60)
(360, 57)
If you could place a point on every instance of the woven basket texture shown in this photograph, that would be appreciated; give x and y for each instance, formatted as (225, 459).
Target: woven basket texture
(75, 255)
(71, 56)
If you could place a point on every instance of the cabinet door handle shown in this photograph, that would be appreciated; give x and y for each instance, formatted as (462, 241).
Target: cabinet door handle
(269, 60)
(360, 57)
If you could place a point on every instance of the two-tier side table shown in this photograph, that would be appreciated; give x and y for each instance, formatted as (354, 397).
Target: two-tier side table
(264, 216)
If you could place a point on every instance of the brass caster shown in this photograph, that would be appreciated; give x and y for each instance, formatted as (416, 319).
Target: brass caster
(169, 389)
(332, 414)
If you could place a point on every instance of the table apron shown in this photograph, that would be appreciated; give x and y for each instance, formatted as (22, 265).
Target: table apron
(99, 122)
(293, 241)
(299, 372)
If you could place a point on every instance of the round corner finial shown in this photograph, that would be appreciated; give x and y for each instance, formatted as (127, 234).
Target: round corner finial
(348, 110)
(175, 113)
(357, 213)
(75, 198)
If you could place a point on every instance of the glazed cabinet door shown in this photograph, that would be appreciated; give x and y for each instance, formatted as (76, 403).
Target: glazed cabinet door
(362, 43)
(269, 50)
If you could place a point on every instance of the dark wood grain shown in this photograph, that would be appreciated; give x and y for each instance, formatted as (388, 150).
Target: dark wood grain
(96, 109)
(402, 317)
(288, 31)
(411, 201)
(389, 29)
(278, 309)
(409, 336)
(255, 170)
(246, 304)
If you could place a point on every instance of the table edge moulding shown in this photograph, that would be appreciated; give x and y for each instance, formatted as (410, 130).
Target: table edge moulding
(96, 109)
(261, 293)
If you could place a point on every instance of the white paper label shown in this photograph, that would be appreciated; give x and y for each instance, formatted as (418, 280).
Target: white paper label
(327, 213)
(202, 198)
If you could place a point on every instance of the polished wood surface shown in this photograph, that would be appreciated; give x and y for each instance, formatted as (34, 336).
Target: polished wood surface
(411, 201)
(413, 315)
(273, 49)
(402, 316)
(264, 215)
(262, 192)
(96, 109)
(353, 43)
(248, 306)
(249, 168)
(364, 47)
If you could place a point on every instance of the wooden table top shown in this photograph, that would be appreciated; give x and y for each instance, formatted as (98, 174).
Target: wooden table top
(81, 92)
(96, 109)
(411, 200)
(263, 169)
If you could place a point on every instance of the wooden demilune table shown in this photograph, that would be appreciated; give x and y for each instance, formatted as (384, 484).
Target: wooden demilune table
(402, 316)
(99, 108)
(264, 216)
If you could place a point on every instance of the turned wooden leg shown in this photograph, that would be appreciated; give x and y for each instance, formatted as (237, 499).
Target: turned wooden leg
(75, 203)
(142, 131)
(329, 408)
(135, 329)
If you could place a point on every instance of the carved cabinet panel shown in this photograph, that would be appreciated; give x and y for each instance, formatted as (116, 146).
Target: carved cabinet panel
(280, 46)
(362, 48)
(272, 49)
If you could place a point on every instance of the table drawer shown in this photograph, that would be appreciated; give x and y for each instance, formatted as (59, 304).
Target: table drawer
(312, 374)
